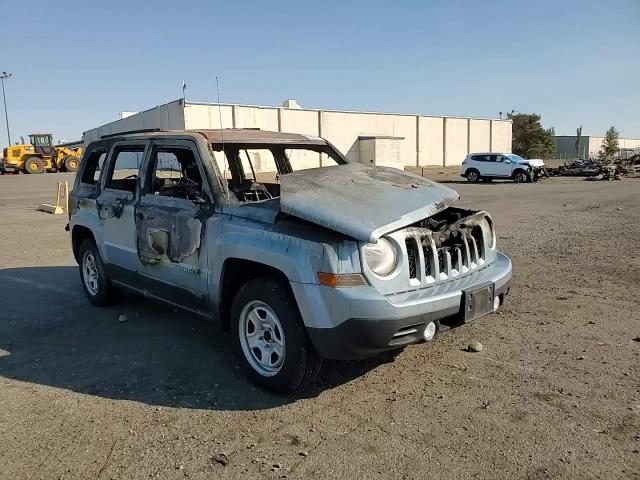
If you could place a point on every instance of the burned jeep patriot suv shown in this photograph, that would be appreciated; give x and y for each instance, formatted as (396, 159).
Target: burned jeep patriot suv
(298, 252)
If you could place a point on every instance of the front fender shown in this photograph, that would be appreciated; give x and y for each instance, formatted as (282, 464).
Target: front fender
(299, 260)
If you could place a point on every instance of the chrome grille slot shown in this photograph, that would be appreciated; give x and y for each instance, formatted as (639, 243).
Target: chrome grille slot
(473, 250)
(476, 234)
(443, 262)
(427, 253)
(412, 255)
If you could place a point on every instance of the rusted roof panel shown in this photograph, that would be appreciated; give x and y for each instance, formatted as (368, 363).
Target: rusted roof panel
(248, 135)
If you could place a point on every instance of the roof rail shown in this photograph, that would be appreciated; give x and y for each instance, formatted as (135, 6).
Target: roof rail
(146, 130)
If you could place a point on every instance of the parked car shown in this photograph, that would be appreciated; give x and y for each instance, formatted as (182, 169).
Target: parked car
(489, 166)
(297, 263)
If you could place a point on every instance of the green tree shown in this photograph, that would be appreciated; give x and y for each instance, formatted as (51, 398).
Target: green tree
(578, 138)
(530, 139)
(610, 145)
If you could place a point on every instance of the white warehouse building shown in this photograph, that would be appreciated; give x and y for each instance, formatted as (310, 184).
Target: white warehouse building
(389, 139)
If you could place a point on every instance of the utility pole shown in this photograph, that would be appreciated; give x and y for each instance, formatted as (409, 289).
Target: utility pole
(3, 77)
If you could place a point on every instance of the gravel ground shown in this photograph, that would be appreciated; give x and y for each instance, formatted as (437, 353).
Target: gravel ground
(555, 393)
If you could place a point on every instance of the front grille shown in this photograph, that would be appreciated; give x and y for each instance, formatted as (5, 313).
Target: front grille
(411, 255)
(459, 256)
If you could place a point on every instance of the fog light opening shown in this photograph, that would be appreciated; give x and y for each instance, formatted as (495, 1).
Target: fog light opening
(496, 302)
(430, 331)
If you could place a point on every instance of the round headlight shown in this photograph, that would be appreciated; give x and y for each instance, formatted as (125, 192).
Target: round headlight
(380, 257)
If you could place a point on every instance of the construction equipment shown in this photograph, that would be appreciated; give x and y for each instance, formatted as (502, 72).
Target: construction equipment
(40, 155)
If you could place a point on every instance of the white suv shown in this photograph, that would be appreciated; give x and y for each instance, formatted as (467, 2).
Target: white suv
(487, 166)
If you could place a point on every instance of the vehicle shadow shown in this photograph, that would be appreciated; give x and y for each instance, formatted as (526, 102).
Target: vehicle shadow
(51, 335)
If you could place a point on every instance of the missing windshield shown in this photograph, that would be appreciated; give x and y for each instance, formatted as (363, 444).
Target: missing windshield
(253, 171)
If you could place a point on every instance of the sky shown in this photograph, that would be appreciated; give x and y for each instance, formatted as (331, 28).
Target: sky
(77, 64)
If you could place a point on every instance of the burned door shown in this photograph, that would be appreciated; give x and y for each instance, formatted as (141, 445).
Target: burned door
(115, 204)
(171, 218)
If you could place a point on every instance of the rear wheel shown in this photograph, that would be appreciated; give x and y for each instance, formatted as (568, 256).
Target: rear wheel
(71, 163)
(270, 338)
(96, 283)
(34, 165)
(473, 176)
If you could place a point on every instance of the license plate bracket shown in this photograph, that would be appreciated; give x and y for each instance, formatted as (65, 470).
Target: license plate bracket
(478, 301)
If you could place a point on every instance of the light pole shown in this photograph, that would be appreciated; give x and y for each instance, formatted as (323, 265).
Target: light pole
(4, 76)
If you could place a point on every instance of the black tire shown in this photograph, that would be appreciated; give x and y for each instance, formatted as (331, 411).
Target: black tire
(473, 175)
(104, 292)
(520, 176)
(71, 163)
(301, 363)
(34, 165)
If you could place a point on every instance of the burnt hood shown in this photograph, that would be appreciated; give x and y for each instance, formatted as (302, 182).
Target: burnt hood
(362, 201)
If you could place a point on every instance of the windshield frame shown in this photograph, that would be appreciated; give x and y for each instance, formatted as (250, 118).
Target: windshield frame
(239, 177)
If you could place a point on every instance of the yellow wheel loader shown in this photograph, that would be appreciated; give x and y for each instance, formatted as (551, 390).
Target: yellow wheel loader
(40, 155)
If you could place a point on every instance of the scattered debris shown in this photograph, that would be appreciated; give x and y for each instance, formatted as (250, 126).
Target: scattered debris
(123, 318)
(578, 168)
(304, 453)
(607, 172)
(580, 358)
(220, 458)
(475, 347)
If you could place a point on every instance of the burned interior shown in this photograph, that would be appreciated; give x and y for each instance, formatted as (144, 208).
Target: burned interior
(253, 170)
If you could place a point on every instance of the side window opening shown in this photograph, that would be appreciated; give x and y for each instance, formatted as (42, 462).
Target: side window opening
(175, 174)
(126, 167)
(94, 164)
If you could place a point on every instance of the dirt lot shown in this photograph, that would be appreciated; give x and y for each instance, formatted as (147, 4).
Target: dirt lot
(554, 394)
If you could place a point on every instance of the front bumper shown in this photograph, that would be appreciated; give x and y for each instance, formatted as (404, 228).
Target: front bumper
(358, 322)
(538, 172)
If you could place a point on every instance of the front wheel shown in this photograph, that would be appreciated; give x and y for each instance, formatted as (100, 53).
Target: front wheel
(519, 176)
(270, 338)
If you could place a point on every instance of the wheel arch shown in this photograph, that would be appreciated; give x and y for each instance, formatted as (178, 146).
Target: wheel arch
(235, 273)
(80, 233)
(517, 171)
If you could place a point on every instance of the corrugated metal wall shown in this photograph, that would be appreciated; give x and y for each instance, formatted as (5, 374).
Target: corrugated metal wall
(590, 146)
(423, 140)
(169, 116)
